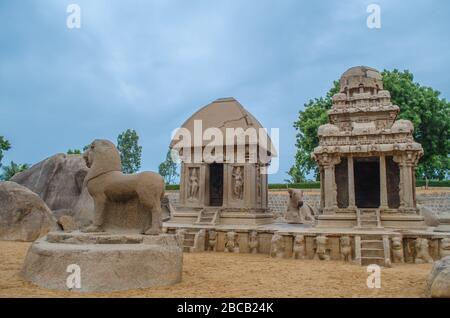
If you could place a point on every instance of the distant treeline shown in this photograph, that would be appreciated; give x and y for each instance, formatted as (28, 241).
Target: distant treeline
(316, 185)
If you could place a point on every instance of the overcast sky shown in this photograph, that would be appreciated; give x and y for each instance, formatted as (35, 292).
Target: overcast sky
(148, 65)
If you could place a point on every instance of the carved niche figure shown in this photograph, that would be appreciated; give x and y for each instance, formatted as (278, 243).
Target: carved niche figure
(108, 185)
(346, 248)
(321, 248)
(444, 249)
(231, 244)
(193, 185)
(277, 246)
(253, 242)
(298, 251)
(238, 183)
(422, 251)
(397, 250)
(298, 212)
(212, 240)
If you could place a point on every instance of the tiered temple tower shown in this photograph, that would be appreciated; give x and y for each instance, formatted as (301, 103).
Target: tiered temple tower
(367, 158)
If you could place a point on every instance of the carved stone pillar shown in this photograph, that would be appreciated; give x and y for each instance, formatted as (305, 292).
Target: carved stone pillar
(383, 184)
(351, 183)
(406, 163)
(328, 183)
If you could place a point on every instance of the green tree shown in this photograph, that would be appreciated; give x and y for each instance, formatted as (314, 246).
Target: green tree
(168, 169)
(4, 146)
(12, 169)
(422, 105)
(74, 152)
(130, 151)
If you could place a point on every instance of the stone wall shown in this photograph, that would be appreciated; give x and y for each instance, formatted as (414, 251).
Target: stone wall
(438, 202)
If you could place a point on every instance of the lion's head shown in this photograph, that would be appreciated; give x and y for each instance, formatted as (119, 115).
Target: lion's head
(101, 157)
(397, 243)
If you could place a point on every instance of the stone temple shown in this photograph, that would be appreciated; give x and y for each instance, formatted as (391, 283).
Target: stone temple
(367, 158)
(224, 190)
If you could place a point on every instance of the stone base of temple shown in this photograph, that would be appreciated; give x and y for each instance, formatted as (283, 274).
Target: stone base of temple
(363, 246)
(102, 262)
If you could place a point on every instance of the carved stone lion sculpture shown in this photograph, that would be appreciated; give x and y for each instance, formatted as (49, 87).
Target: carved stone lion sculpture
(277, 246)
(212, 240)
(299, 247)
(321, 248)
(253, 242)
(444, 249)
(422, 251)
(108, 186)
(297, 211)
(346, 248)
(231, 244)
(397, 250)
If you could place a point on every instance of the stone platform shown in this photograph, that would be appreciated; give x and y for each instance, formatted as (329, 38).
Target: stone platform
(106, 262)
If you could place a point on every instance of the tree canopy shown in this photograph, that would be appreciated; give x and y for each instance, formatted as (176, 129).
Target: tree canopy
(130, 151)
(12, 169)
(4, 146)
(421, 105)
(168, 169)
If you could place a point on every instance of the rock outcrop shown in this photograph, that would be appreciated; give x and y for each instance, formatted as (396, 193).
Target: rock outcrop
(439, 279)
(59, 181)
(24, 216)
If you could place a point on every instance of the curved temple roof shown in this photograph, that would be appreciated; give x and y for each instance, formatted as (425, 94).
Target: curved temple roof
(225, 113)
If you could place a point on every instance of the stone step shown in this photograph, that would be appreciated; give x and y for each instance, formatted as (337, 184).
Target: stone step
(372, 252)
(372, 244)
(368, 260)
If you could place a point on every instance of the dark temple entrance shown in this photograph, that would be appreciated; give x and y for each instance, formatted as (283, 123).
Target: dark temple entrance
(367, 182)
(216, 184)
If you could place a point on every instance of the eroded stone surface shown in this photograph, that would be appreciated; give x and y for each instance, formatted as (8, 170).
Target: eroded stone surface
(438, 284)
(23, 214)
(107, 262)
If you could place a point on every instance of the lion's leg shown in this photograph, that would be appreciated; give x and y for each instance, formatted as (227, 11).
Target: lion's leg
(99, 214)
(154, 210)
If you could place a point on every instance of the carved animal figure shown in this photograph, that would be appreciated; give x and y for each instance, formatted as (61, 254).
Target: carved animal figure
(253, 242)
(422, 251)
(277, 246)
(299, 247)
(107, 184)
(444, 249)
(321, 248)
(231, 244)
(298, 212)
(212, 240)
(346, 248)
(397, 250)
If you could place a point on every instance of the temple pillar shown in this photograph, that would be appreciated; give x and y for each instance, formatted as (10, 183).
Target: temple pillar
(329, 183)
(383, 184)
(351, 183)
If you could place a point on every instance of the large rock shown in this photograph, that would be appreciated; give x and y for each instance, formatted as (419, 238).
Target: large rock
(430, 217)
(439, 279)
(59, 181)
(23, 214)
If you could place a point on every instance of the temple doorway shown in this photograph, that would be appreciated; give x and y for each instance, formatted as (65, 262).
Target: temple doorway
(367, 182)
(216, 184)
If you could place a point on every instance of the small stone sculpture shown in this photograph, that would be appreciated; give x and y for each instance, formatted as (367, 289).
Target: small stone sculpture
(422, 251)
(193, 185)
(397, 250)
(321, 248)
(299, 247)
(346, 248)
(212, 240)
(231, 244)
(108, 185)
(238, 184)
(277, 246)
(444, 249)
(253, 242)
(297, 211)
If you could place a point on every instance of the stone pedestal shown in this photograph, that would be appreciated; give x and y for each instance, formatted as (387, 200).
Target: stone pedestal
(106, 262)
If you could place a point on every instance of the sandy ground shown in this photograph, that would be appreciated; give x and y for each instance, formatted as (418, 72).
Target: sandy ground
(240, 275)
